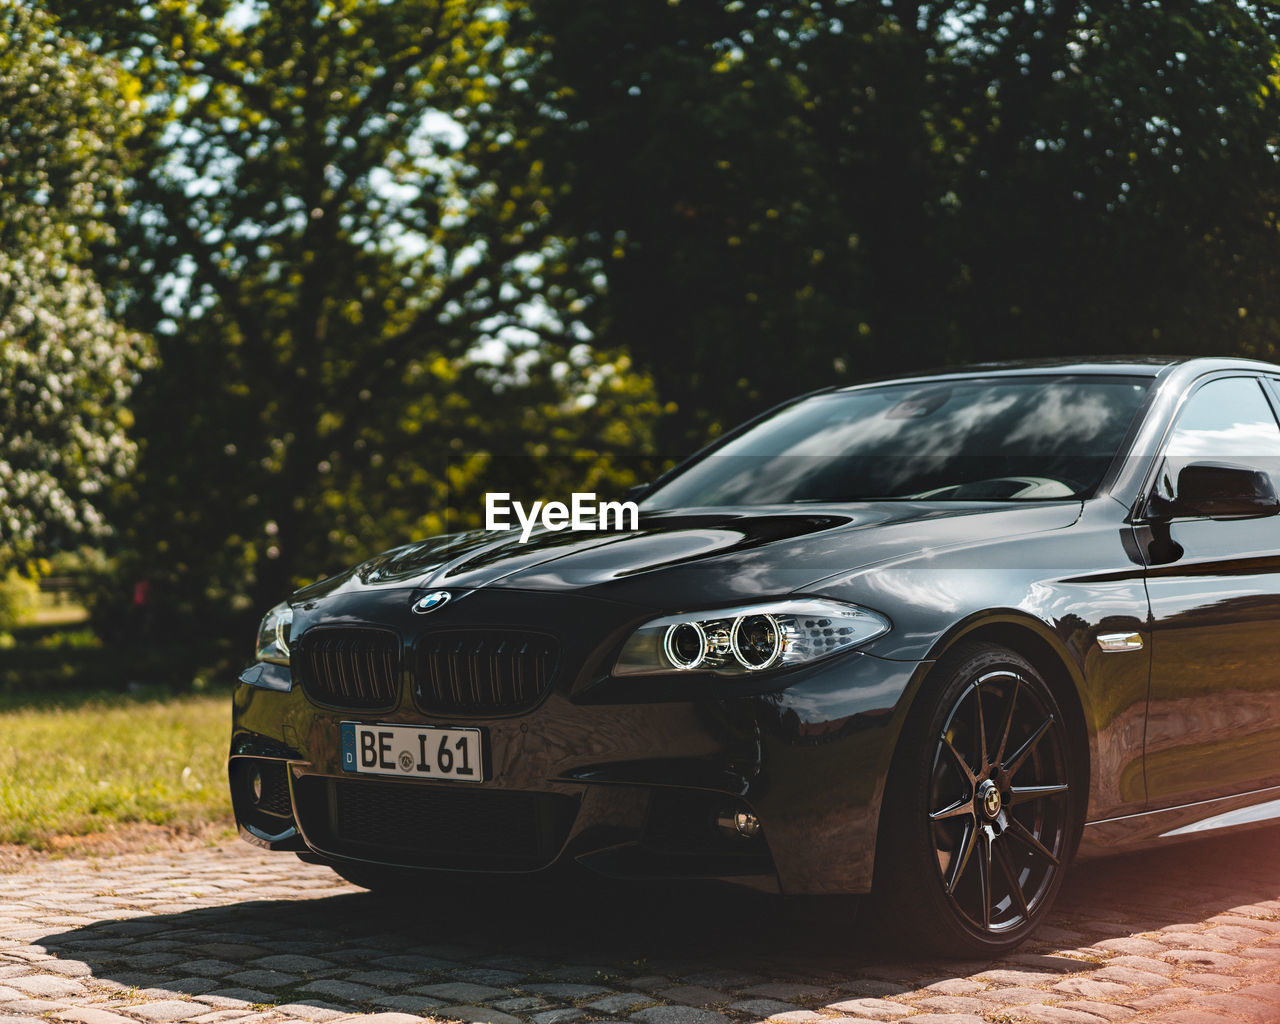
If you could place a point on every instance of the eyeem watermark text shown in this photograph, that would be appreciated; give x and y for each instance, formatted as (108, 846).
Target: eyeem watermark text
(582, 513)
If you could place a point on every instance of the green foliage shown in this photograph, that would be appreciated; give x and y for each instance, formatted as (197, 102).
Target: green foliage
(343, 249)
(66, 365)
(18, 594)
(783, 195)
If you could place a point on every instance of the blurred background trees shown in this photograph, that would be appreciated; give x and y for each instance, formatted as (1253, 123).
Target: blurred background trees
(67, 365)
(783, 195)
(391, 254)
(345, 256)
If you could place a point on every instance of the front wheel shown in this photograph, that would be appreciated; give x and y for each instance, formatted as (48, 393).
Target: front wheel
(982, 812)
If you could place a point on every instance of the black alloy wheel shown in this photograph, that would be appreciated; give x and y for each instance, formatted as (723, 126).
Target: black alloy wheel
(982, 808)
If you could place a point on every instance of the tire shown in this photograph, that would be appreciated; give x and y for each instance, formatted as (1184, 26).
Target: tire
(982, 810)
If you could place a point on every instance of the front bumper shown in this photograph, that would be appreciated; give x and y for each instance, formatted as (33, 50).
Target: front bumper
(633, 780)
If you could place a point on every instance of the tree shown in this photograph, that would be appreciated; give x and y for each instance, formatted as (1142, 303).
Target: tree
(67, 365)
(343, 249)
(791, 194)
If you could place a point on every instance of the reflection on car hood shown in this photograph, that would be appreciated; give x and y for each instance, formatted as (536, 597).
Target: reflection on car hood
(700, 555)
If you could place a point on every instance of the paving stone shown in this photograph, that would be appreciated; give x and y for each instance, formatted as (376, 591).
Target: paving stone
(347, 990)
(46, 986)
(189, 986)
(292, 962)
(67, 968)
(1235, 933)
(519, 1004)
(1015, 996)
(411, 962)
(475, 1015)
(873, 987)
(35, 1007)
(1195, 941)
(1192, 1016)
(219, 1002)
(1007, 976)
(566, 990)
(678, 1015)
(312, 1010)
(1130, 976)
(952, 1004)
(239, 995)
(390, 1018)
(383, 979)
(1042, 1013)
(796, 1017)
(763, 1007)
(208, 967)
(1129, 944)
(693, 995)
(460, 992)
(562, 1016)
(954, 987)
(583, 974)
(650, 983)
(1107, 1011)
(510, 962)
(1164, 998)
(947, 1018)
(421, 1005)
(785, 991)
(1201, 957)
(229, 951)
(722, 979)
(622, 1002)
(1206, 981)
(1144, 963)
(487, 976)
(1238, 1008)
(88, 1015)
(263, 978)
(166, 1010)
(1093, 988)
(875, 1009)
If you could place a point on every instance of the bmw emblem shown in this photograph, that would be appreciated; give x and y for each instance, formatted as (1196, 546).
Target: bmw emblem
(431, 602)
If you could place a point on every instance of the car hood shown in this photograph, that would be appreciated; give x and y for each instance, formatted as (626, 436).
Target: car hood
(695, 556)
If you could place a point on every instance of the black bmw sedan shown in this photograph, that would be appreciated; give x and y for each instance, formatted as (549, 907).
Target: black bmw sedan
(926, 638)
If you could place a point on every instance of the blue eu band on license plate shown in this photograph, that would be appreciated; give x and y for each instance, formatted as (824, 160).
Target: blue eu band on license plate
(410, 751)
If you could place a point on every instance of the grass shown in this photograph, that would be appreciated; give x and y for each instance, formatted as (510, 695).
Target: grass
(86, 764)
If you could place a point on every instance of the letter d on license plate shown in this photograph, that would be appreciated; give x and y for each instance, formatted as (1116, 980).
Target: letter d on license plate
(410, 751)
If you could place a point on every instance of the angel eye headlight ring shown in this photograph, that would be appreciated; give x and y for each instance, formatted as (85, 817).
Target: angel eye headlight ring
(757, 641)
(685, 644)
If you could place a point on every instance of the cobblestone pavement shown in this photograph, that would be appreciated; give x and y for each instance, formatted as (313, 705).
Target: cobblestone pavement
(232, 935)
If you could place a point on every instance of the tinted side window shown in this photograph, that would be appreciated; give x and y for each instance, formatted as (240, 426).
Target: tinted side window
(1228, 421)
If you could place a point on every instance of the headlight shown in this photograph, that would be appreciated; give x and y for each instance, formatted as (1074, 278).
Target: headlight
(750, 638)
(273, 635)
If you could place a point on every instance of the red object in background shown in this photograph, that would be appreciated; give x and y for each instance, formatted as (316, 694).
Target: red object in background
(141, 593)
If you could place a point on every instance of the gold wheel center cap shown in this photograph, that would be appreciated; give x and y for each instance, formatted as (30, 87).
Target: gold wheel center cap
(989, 799)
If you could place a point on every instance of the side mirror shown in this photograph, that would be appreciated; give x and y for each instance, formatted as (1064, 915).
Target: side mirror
(636, 492)
(1220, 491)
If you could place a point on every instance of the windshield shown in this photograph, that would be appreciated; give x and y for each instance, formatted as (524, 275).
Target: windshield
(998, 439)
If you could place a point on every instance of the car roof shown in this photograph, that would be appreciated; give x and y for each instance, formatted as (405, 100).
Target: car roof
(1136, 365)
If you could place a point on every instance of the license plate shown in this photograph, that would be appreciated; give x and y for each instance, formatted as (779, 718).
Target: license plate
(410, 751)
